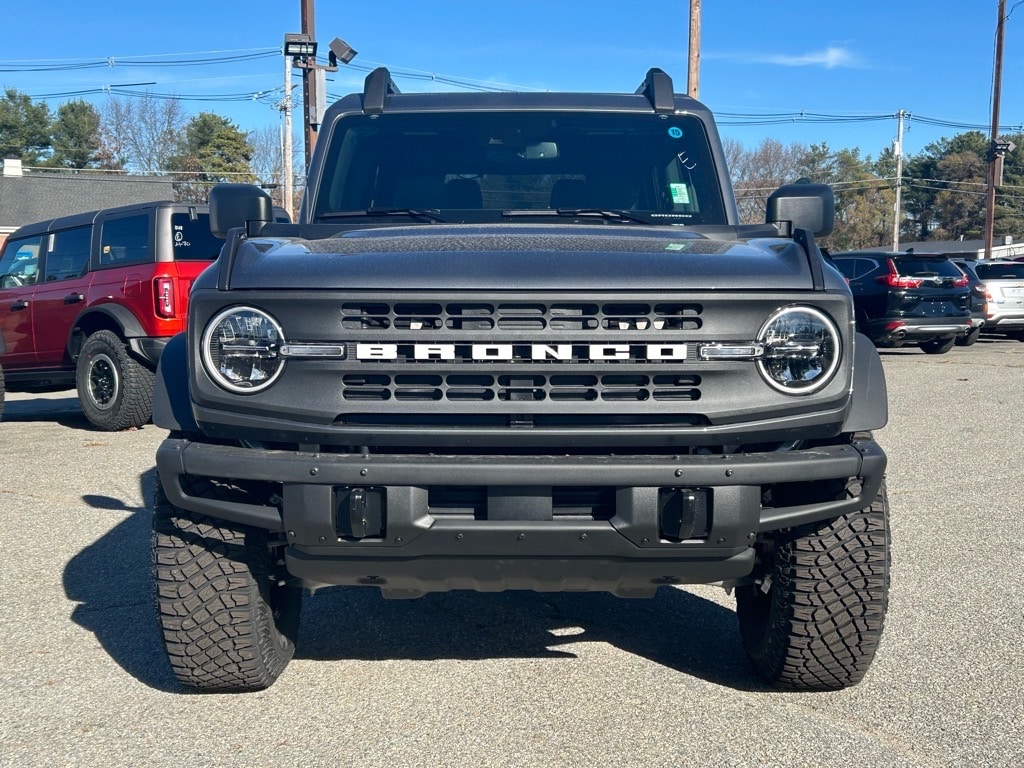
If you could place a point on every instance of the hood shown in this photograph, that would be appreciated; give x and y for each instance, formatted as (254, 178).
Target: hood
(517, 257)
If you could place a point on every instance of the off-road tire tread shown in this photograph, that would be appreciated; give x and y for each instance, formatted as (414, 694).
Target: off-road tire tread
(136, 406)
(212, 599)
(828, 599)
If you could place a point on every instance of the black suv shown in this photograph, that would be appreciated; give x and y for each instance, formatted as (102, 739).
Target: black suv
(520, 341)
(908, 298)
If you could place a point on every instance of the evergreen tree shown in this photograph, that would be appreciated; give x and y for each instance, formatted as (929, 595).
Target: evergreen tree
(213, 150)
(75, 136)
(24, 128)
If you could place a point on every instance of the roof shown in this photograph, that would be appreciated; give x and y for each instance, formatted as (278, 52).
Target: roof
(36, 196)
(1002, 248)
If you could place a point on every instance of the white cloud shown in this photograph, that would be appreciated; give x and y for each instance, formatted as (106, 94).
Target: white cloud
(830, 58)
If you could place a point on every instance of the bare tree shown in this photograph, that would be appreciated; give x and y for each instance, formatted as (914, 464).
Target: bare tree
(756, 173)
(267, 162)
(143, 132)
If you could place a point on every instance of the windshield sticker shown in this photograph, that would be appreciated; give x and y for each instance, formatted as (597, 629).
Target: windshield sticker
(680, 193)
(675, 132)
(675, 247)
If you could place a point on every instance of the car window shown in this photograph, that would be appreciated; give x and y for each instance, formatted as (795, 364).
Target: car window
(1013, 271)
(124, 241)
(68, 253)
(855, 267)
(931, 266)
(192, 238)
(19, 264)
(866, 267)
(847, 267)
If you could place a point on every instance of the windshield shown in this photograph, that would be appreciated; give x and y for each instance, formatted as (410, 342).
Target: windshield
(926, 265)
(1003, 271)
(522, 161)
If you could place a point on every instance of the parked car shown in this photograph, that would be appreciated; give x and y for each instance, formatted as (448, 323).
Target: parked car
(908, 298)
(90, 300)
(1002, 281)
(979, 308)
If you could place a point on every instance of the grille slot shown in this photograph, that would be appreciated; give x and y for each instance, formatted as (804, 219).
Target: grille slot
(572, 317)
(532, 387)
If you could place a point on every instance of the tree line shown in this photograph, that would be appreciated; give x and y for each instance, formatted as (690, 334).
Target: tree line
(943, 187)
(147, 135)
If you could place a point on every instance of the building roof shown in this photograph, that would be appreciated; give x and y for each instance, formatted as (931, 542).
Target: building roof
(1002, 247)
(27, 196)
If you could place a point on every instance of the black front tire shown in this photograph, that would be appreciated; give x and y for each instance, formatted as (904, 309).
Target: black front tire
(228, 624)
(115, 389)
(814, 621)
(938, 346)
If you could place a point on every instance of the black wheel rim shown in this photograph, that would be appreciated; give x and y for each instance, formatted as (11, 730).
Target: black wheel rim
(104, 382)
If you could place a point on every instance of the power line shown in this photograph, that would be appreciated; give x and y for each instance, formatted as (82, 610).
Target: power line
(196, 58)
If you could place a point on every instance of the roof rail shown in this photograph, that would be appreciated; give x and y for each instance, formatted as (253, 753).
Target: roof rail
(377, 86)
(657, 87)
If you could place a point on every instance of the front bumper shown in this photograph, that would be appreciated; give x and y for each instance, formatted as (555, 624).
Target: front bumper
(520, 540)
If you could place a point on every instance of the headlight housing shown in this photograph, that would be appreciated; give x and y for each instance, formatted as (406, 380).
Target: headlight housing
(802, 350)
(241, 350)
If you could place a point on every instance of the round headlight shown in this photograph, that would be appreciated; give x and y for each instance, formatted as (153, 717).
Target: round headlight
(241, 349)
(801, 350)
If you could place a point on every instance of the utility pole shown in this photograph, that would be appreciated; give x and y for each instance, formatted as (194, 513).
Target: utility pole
(693, 67)
(309, 82)
(995, 157)
(897, 219)
(286, 148)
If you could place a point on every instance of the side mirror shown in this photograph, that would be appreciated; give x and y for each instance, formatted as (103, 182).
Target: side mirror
(804, 206)
(236, 205)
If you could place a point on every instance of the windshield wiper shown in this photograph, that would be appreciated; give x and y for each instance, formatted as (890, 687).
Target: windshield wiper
(606, 214)
(424, 214)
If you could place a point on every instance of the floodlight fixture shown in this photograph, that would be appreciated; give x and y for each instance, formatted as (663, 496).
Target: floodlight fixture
(299, 45)
(340, 51)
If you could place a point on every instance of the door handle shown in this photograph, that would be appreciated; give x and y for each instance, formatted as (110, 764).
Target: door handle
(73, 298)
(19, 305)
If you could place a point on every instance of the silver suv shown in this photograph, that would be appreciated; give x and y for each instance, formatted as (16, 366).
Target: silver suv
(1004, 292)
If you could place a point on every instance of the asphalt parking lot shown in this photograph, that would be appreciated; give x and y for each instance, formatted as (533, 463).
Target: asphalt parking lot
(523, 679)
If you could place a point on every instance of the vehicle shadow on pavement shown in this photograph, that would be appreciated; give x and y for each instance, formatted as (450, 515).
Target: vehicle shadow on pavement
(65, 411)
(676, 629)
(110, 581)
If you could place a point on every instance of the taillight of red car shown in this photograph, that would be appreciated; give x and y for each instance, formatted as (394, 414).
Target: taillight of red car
(894, 280)
(163, 293)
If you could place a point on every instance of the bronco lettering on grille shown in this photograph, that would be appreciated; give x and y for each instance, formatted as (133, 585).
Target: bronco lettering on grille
(522, 352)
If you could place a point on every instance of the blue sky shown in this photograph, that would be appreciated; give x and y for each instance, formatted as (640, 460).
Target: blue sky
(857, 62)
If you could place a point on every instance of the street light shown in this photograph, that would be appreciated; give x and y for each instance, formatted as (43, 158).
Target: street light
(299, 45)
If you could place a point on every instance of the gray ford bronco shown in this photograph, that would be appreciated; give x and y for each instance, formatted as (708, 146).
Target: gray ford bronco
(520, 341)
